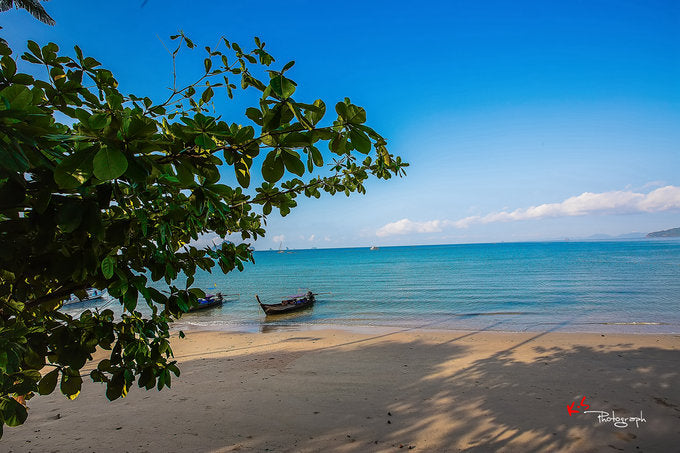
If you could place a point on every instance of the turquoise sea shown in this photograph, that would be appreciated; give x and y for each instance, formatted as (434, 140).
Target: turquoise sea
(610, 286)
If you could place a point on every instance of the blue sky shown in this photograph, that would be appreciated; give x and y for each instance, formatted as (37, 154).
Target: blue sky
(521, 120)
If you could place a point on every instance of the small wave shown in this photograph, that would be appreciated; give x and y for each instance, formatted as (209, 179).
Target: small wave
(493, 313)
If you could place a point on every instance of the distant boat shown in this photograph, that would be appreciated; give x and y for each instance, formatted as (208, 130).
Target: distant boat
(281, 248)
(93, 295)
(211, 300)
(373, 247)
(287, 305)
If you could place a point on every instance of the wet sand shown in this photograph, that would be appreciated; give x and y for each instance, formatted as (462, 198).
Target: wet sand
(333, 390)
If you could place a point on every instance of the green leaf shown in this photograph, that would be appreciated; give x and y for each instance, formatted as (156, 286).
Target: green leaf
(9, 67)
(118, 288)
(360, 141)
(316, 114)
(242, 173)
(357, 115)
(98, 121)
(116, 387)
(108, 266)
(282, 86)
(13, 412)
(71, 383)
(70, 216)
(104, 365)
(109, 163)
(184, 174)
(74, 170)
(35, 48)
(295, 139)
(272, 168)
(316, 156)
(273, 118)
(255, 115)
(293, 163)
(130, 299)
(338, 144)
(18, 96)
(204, 141)
(48, 382)
(207, 94)
(90, 63)
(341, 110)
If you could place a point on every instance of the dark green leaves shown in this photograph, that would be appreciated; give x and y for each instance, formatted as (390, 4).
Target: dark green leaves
(71, 383)
(74, 170)
(108, 266)
(48, 382)
(15, 97)
(350, 112)
(272, 167)
(207, 94)
(204, 141)
(109, 163)
(116, 387)
(293, 163)
(282, 86)
(314, 158)
(360, 141)
(272, 119)
(70, 216)
(12, 411)
(255, 115)
(116, 195)
(242, 169)
(97, 121)
(315, 112)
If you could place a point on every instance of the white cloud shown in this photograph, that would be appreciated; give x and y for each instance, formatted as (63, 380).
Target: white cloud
(279, 238)
(405, 226)
(311, 238)
(606, 203)
(654, 184)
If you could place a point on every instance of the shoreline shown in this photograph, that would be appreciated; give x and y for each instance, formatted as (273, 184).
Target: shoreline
(360, 326)
(333, 390)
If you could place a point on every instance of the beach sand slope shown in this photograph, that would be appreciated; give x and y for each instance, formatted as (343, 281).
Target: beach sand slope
(328, 390)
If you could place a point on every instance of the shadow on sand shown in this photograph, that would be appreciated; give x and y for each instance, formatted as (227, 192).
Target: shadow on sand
(383, 393)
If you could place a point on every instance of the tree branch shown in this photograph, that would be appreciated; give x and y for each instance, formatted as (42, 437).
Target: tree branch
(58, 294)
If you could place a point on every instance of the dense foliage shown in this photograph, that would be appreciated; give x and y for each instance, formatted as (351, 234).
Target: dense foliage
(33, 7)
(104, 190)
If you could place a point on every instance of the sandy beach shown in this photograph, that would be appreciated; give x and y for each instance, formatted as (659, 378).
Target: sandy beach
(334, 390)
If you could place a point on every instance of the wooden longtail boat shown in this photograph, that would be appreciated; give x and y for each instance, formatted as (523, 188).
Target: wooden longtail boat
(93, 295)
(293, 304)
(210, 301)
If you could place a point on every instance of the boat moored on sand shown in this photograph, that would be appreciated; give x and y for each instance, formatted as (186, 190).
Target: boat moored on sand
(293, 303)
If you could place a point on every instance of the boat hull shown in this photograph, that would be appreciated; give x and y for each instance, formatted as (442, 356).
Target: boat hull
(287, 305)
(207, 303)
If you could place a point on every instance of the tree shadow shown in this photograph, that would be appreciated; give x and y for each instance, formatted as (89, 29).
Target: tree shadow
(425, 392)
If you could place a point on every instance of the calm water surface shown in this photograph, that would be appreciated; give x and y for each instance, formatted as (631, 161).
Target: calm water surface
(614, 286)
